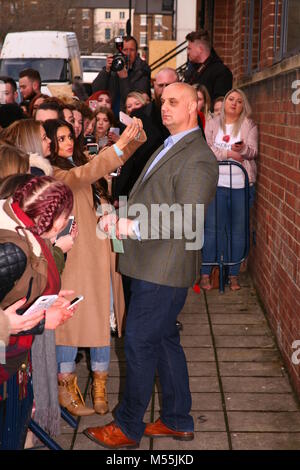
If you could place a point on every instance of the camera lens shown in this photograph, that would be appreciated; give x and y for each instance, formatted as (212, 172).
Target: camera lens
(118, 63)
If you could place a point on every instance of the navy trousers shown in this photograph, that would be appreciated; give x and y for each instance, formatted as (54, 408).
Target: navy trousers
(152, 343)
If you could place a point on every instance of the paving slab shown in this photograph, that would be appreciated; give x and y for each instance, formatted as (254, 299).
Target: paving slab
(196, 341)
(251, 369)
(264, 421)
(202, 441)
(204, 384)
(190, 330)
(256, 384)
(196, 319)
(263, 342)
(246, 355)
(202, 369)
(261, 402)
(266, 441)
(237, 319)
(208, 421)
(242, 330)
(199, 354)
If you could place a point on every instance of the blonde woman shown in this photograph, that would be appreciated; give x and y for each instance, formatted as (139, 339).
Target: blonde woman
(30, 136)
(134, 100)
(231, 136)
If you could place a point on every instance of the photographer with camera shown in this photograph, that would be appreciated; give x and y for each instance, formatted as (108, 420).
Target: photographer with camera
(124, 72)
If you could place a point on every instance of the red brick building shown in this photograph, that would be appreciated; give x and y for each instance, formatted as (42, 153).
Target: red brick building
(260, 41)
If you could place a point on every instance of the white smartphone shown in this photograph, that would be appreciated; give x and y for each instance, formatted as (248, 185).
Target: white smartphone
(75, 301)
(41, 303)
(125, 119)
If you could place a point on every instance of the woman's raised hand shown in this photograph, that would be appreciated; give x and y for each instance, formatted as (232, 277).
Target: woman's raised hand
(132, 132)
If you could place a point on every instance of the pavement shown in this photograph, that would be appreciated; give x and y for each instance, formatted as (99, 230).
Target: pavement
(242, 396)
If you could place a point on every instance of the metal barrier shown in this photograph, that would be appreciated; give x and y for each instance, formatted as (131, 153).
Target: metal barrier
(221, 262)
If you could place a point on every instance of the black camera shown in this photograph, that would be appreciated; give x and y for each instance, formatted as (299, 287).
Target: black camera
(120, 60)
(89, 139)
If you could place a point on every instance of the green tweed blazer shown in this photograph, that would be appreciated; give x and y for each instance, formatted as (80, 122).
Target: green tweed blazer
(167, 254)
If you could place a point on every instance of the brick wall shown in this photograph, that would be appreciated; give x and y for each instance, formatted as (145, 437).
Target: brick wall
(275, 259)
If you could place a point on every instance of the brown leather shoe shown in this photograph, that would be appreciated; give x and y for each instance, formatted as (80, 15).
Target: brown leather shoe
(159, 429)
(110, 436)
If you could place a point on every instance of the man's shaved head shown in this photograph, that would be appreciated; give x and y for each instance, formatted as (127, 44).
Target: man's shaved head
(179, 107)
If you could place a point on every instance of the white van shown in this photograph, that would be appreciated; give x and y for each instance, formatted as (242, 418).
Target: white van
(92, 65)
(55, 54)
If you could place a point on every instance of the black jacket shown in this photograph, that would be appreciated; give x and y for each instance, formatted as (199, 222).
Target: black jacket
(214, 75)
(131, 170)
(138, 80)
(12, 265)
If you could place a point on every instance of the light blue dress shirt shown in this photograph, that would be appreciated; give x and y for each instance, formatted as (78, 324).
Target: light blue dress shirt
(168, 144)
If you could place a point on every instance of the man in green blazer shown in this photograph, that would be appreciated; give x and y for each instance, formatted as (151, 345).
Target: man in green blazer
(162, 258)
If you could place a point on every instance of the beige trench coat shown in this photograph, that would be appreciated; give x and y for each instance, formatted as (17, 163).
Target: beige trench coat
(90, 263)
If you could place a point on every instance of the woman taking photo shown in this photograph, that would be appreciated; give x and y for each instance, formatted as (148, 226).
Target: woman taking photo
(90, 266)
(231, 136)
(37, 212)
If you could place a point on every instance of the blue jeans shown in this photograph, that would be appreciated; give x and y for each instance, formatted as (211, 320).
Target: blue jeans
(152, 342)
(66, 355)
(224, 231)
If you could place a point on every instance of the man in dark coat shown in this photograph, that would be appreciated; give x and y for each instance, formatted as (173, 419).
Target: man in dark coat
(135, 77)
(205, 66)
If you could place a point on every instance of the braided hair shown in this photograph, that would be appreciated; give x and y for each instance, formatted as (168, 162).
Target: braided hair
(43, 200)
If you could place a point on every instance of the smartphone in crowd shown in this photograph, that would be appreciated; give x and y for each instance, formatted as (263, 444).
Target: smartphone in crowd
(75, 301)
(68, 228)
(92, 148)
(41, 303)
(115, 130)
(125, 119)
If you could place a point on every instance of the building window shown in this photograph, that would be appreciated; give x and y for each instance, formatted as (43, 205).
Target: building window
(107, 34)
(158, 20)
(72, 13)
(85, 14)
(107, 15)
(122, 32)
(286, 28)
(143, 20)
(122, 15)
(143, 39)
(85, 33)
(158, 35)
(253, 19)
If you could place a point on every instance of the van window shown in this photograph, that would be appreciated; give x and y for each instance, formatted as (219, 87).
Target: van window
(51, 70)
(93, 64)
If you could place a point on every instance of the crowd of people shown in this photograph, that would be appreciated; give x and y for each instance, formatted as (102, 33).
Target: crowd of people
(61, 156)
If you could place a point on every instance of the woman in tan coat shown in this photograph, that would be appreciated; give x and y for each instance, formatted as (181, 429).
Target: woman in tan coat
(90, 267)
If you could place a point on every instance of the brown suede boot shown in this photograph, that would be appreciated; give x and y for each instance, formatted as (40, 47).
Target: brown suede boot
(99, 393)
(69, 396)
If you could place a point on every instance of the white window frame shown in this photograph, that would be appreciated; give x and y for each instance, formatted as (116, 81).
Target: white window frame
(143, 21)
